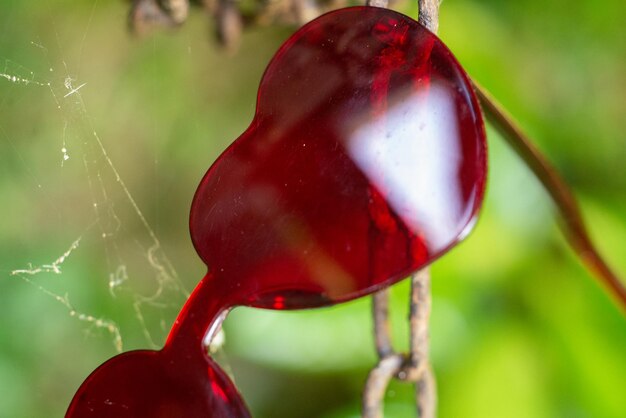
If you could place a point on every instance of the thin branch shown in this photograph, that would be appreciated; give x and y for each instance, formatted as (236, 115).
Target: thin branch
(572, 224)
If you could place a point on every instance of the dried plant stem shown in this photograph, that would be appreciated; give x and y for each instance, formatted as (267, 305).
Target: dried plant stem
(572, 224)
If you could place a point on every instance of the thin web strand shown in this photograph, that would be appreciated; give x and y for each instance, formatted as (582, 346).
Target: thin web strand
(75, 115)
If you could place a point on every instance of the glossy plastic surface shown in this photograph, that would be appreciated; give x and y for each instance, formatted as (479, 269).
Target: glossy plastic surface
(156, 384)
(365, 161)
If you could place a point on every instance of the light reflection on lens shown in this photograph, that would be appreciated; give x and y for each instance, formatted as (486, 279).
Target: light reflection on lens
(418, 173)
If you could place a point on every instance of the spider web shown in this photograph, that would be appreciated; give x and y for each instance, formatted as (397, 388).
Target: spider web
(83, 206)
(103, 180)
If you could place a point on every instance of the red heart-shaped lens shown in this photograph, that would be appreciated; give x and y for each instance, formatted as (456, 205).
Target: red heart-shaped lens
(365, 161)
(157, 384)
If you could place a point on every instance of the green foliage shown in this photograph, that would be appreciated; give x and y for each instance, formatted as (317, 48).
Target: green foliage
(519, 329)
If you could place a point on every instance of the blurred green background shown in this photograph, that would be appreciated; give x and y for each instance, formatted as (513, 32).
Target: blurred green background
(519, 328)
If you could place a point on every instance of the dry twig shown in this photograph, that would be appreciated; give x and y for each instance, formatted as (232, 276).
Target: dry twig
(572, 224)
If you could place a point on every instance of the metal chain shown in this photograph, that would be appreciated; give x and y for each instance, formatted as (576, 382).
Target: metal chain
(412, 367)
(429, 14)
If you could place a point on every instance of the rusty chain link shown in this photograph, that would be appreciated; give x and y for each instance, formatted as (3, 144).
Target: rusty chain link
(413, 367)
